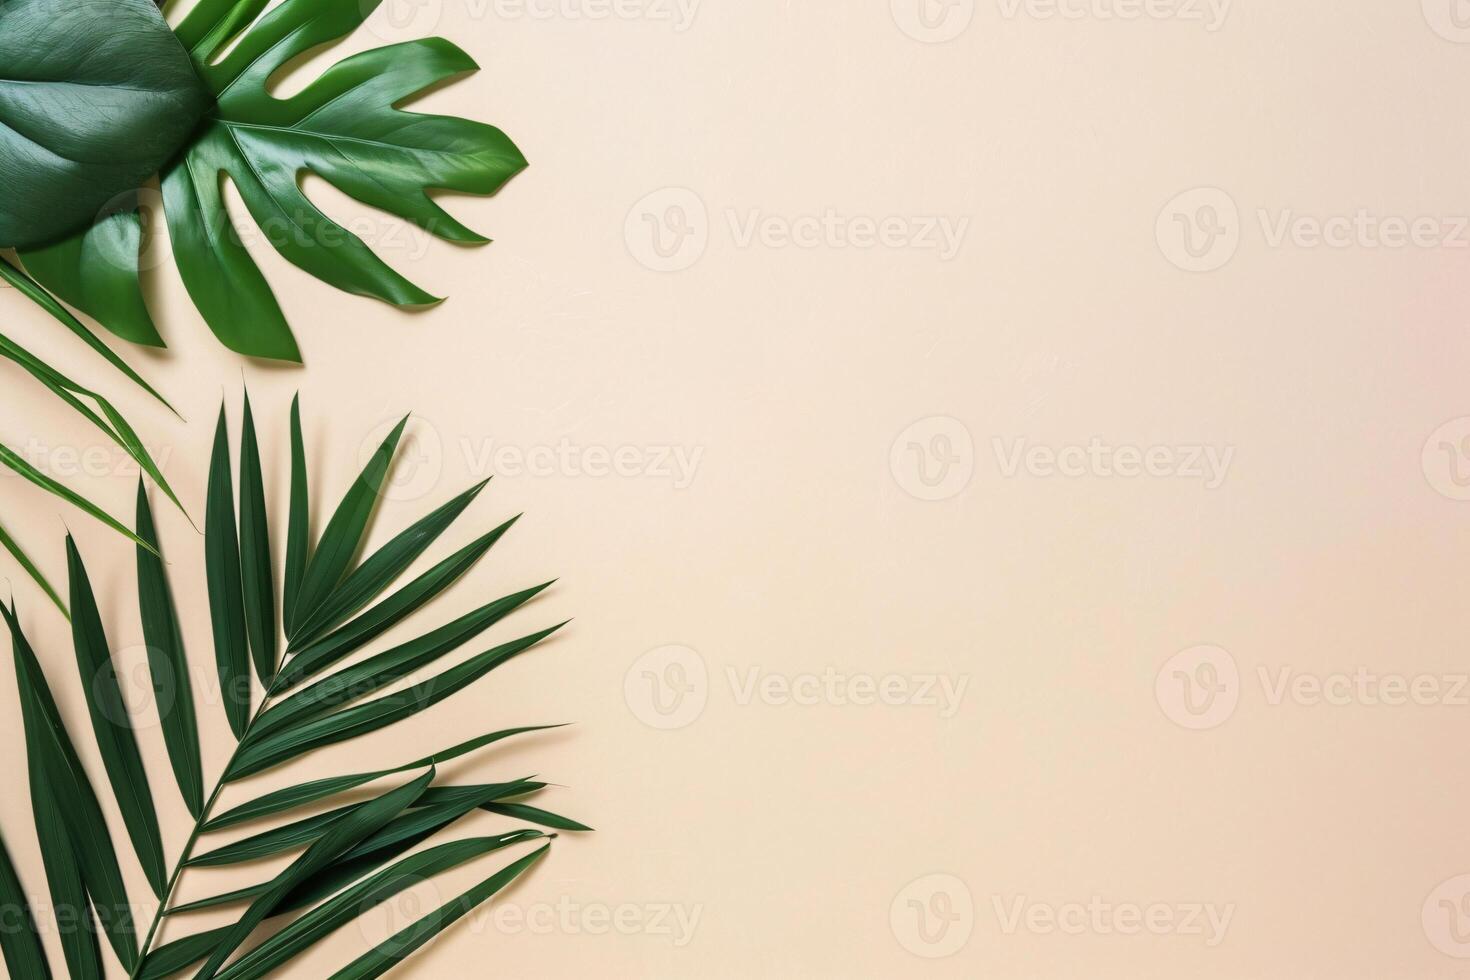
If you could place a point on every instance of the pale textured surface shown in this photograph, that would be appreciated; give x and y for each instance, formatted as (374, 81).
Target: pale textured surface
(792, 829)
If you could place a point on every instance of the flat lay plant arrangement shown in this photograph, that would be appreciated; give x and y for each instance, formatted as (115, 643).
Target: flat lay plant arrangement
(282, 700)
(97, 97)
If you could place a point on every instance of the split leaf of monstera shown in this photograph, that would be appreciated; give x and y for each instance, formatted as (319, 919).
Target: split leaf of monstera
(95, 97)
(346, 127)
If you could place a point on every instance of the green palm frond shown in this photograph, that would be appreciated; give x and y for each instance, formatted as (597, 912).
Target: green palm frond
(351, 857)
(96, 409)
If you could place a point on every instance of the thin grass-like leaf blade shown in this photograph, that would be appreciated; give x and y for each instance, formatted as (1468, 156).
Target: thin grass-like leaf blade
(275, 841)
(215, 901)
(67, 810)
(168, 664)
(344, 531)
(339, 839)
(18, 553)
(385, 615)
(531, 814)
(25, 469)
(382, 567)
(402, 944)
(222, 575)
(279, 840)
(380, 713)
(33, 291)
(360, 680)
(70, 908)
(298, 524)
(20, 941)
(297, 796)
(112, 725)
(353, 902)
(115, 426)
(179, 955)
(436, 809)
(255, 554)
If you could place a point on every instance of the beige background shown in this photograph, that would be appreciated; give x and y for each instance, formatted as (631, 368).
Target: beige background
(765, 837)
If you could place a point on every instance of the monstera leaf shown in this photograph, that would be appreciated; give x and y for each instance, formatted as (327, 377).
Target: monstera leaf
(97, 269)
(360, 852)
(345, 127)
(95, 96)
(98, 95)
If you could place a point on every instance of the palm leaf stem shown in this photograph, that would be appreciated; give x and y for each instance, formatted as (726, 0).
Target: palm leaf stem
(194, 835)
